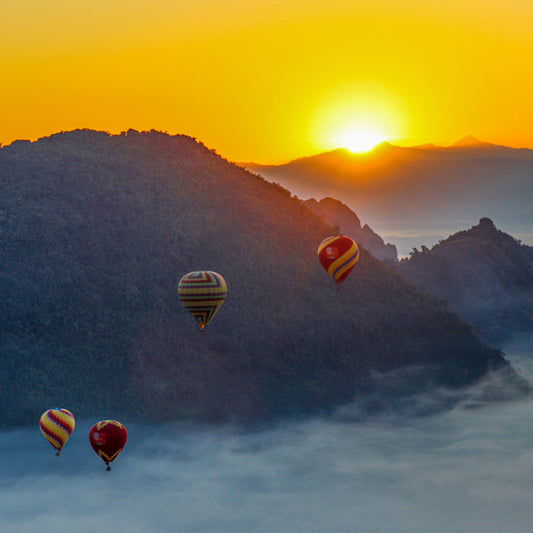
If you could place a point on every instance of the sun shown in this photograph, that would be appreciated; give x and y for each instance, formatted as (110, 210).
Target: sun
(357, 116)
(359, 140)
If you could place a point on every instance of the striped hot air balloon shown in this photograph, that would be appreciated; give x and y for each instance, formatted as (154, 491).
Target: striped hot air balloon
(338, 256)
(108, 438)
(202, 293)
(57, 426)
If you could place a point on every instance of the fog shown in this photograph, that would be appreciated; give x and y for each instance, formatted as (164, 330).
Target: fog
(468, 469)
(408, 236)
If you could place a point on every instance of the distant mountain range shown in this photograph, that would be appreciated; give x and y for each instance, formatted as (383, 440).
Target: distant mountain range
(419, 195)
(97, 231)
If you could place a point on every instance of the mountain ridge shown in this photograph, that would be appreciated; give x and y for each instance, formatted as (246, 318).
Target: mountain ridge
(464, 146)
(337, 214)
(98, 229)
(484, 274)
(397, 190)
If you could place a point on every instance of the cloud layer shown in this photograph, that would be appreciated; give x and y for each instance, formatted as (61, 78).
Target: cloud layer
(468, 470)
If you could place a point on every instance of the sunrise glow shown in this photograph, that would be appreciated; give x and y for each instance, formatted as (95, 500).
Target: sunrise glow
(418, 71)
(358, 116)
(359, 140)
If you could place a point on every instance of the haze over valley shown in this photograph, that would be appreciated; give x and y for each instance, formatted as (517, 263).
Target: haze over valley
(420, 195)
(464, 470)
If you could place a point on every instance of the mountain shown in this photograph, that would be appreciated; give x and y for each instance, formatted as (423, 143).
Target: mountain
(470, 141)
(98, 229)
(419, 195)
(339, 215)
(484, 274)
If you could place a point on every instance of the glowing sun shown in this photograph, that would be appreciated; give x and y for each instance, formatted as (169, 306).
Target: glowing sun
(358, 117)
(359, 140)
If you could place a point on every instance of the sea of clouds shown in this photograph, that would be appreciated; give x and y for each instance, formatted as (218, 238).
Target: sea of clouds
(468, 469)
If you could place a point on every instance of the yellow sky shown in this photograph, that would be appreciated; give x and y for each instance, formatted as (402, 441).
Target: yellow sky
(268, 81)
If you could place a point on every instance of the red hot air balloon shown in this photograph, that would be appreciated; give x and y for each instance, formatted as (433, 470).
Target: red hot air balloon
(108, 438)
(338, 256)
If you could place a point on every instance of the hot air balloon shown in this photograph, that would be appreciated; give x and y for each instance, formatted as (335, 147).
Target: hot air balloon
(108, 438)
(57, 426)
(338, 256)
(202, 293)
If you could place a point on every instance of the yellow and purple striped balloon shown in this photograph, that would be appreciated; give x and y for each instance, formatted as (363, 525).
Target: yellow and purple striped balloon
(202, 293)
(338, 256)
(57, 426)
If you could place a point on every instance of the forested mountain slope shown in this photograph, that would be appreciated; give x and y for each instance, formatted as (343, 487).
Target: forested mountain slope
(97, 231)
(337, 214)
(486, 276)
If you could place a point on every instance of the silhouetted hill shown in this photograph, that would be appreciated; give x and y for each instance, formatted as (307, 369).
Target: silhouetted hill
(339, 215)
(97, 231)
(418, 195)
(484, 274)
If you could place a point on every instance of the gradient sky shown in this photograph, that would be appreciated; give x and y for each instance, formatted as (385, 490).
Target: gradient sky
(270, 81)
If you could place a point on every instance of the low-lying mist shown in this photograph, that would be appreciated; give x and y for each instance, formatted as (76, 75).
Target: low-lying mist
(468, 469)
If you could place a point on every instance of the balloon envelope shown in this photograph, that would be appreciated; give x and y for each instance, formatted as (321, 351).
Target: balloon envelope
(108, 438)
(57, 426)
(338, 255)
(202, 293)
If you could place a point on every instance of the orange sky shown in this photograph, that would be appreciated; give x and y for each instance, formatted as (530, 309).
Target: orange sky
(269, 81)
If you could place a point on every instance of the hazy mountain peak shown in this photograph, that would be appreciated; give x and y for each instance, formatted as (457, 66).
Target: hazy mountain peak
(486, 225)
(385, 145)
(469, 140)
(485, 275)
(337, 214)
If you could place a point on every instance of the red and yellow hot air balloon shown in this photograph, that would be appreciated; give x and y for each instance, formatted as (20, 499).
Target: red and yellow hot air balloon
(57, 426)
(338, 256)
(202, 293)
(108, 438)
